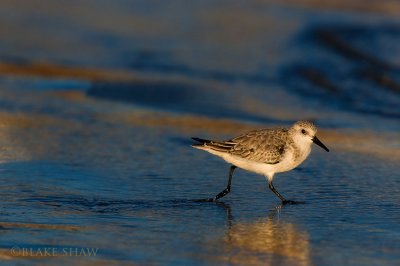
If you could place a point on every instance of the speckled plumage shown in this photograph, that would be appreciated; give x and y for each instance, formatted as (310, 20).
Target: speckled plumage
(265, 151)
(263, 145)
(270, 146)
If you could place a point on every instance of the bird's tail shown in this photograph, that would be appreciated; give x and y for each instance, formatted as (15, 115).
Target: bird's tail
(200, 143)
(206, 144)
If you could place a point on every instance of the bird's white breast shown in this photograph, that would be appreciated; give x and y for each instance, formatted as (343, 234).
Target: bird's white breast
(294, 157)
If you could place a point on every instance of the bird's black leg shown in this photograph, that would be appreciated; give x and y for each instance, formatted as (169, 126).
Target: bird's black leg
(271, 186)
(228, 187)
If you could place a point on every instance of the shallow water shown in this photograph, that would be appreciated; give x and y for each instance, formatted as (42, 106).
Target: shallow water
(96, 117)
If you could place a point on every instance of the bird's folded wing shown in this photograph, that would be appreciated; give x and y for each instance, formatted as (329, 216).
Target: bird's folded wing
(264, 146)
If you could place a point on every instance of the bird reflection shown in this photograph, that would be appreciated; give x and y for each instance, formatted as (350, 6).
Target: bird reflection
(267, 241)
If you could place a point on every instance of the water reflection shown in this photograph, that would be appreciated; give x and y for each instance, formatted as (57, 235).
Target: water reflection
(266, 241)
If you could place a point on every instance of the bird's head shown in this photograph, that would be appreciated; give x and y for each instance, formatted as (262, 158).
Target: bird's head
(304, 132)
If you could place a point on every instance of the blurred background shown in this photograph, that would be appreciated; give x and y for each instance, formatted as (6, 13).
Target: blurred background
(99, 99)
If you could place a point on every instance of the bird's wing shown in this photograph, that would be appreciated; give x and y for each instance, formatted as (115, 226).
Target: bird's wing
(264, 145)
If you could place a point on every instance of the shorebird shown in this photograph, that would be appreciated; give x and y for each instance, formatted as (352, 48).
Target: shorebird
(264, 151)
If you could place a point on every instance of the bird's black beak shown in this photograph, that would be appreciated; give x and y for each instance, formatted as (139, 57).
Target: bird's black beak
(319, 143)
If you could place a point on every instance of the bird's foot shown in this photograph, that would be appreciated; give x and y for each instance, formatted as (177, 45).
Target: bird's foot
(220, 195)
(206, 200)
(292, 202)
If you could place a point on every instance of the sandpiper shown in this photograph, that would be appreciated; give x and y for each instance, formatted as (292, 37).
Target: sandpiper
(265, 151)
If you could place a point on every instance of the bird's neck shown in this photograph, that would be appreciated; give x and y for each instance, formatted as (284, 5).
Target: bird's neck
(302, 149)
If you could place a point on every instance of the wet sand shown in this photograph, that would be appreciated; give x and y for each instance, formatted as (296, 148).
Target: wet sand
(98, 103)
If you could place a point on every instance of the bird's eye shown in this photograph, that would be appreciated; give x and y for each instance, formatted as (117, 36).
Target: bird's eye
(303, 131)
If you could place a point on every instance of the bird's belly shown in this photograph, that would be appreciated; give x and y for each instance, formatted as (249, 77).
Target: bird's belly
(287, 164)
(252, 166)
(290, 161)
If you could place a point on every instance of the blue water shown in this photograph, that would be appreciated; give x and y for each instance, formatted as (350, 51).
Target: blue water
(103, 160)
